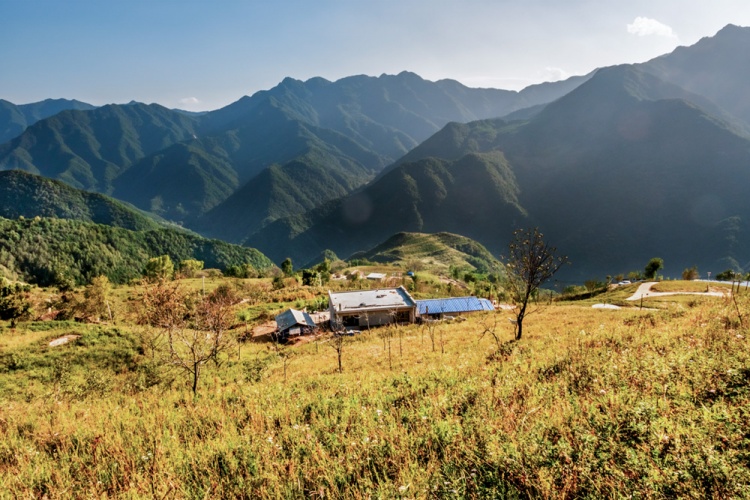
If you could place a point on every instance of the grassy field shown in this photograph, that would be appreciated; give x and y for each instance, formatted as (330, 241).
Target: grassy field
(591, 403)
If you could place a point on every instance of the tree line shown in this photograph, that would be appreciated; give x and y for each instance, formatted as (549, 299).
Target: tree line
(60, 252)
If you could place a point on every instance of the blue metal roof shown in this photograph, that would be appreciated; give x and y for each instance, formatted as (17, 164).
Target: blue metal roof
(454, 305)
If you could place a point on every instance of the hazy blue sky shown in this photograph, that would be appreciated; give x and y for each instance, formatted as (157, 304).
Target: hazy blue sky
(203, 55)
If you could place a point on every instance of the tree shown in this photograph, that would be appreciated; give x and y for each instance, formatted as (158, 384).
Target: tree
(431, 326)
(195, 327)
(652, 267)
(324, 270)
(159, 268)
(727, 275)
(287, 267)
(189, 267)
(415, 282)
(337, 341)
(164, 307)
(96, 299)
(14, 303)
(531, 262)
(691, 273)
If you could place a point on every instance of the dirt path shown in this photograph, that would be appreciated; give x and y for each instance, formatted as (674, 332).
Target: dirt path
(644, 291)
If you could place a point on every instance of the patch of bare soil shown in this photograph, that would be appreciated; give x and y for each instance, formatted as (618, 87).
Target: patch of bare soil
(453, 282)
(262, 332)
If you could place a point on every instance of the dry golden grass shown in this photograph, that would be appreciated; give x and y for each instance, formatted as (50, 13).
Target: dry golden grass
(591, 403)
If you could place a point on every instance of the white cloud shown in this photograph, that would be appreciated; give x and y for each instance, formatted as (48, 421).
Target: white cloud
(645, 26)
(190, 100)
(552, 74)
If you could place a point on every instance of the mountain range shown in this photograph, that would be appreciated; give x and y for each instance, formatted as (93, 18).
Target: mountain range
(616, 167)
(277, 153)
(625, 166)
(15, 118)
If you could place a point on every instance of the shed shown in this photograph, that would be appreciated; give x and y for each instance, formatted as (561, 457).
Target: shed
(436, 308)
(365, 308)
(376, 276)
(293, 322)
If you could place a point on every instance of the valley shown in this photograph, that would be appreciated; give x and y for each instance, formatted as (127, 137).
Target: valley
(623, 164)
(318, 290)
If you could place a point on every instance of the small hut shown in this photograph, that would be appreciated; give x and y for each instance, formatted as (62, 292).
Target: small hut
(293, 323)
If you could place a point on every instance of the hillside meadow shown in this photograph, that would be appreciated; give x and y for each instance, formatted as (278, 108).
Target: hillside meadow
(633, 402)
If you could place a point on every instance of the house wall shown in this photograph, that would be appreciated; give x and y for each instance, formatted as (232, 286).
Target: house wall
(372, 318)
(375, 319)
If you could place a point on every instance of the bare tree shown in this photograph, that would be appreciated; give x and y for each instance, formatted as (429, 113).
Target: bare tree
(395, 326)
(164, 309)
(214, 316)
(337, 341)
(489, 325)
(195, 328)
(531, 262)
(387, 335)
(442, 341)
(430, 325)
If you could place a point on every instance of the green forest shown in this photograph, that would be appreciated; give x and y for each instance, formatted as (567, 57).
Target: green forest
(49, 251)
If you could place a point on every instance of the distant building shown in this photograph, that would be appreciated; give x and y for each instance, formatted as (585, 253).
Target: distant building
(453, 306)
(293, 322)
(364, 308)
(376, 276)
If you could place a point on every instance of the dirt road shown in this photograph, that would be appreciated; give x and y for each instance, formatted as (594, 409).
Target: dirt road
(644, 291)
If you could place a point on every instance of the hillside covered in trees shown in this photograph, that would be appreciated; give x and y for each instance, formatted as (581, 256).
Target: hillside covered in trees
(50, 251)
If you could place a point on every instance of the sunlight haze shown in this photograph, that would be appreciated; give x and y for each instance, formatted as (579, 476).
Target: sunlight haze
(201, 56)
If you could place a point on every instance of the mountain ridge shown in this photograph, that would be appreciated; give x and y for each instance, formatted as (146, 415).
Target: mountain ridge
(643, 150)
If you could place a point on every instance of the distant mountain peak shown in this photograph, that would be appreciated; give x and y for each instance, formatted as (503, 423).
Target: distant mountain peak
(733, 29)
(409, 74)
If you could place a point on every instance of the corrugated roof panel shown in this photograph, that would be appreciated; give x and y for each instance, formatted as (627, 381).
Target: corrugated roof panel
(292, 317)
(453, 305)
(487, 304)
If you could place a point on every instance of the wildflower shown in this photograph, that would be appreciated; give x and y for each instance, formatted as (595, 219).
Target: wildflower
(270, 439)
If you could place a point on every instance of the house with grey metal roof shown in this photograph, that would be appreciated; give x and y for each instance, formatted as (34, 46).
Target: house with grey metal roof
(365, 308)
(293, 322)
(437, 308)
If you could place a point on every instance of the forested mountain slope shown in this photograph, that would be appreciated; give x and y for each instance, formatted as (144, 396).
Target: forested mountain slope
(28, 195)
(623, 168)
(15, 118)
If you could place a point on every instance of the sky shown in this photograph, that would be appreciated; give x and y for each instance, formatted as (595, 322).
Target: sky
(203, 55)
